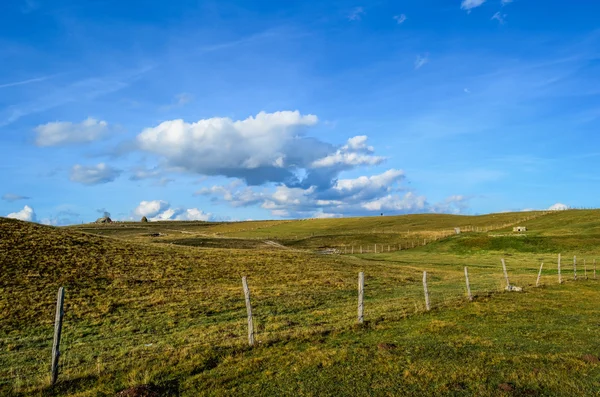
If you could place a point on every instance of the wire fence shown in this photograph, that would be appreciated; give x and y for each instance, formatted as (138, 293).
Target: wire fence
(112, 327)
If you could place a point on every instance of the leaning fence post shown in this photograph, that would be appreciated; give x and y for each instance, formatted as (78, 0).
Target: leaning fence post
(361, 293)
(537, 282)
(249, 309)
(559, 275)
(505, 274)
(57, 331)
(468, 286)
(575, 268)
(426, 291)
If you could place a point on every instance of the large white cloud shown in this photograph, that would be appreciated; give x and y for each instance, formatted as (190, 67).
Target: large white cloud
(256, 149)
(150, 208)
(93, 175)
(64, 132)
(268, 147)
(26, 214)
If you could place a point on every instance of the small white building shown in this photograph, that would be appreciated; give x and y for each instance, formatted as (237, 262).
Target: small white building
(519, 229)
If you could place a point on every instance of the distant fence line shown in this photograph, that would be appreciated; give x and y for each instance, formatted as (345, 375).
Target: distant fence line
(56, 355)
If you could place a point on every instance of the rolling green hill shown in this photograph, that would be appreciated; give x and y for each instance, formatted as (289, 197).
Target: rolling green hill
(142, 311)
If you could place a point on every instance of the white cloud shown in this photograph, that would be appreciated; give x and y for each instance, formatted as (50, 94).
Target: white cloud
(358, 143)
(356, 14)
(364, 186)
(352, 159)
(150, 208)
(26, 214)
(13, 197)
(469, 4)
(400, 18)
(64, 132)
(257, 149)
(505, 2)
(558, 207)
(159, 210)
(499, 17)
(193, 214)
(407, 203)
(421, 60)
(358, 196)
(93, 175)
(354, 153)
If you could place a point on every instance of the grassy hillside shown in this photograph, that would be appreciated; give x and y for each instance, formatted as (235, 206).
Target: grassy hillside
(173, 317)
(406, 230)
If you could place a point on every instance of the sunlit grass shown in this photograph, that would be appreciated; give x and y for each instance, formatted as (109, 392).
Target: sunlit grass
(140, 313)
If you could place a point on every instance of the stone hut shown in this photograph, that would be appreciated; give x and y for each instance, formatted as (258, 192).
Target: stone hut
(104, 219)
(144, 219)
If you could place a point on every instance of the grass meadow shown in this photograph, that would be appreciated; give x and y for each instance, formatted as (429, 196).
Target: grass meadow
(161, 304)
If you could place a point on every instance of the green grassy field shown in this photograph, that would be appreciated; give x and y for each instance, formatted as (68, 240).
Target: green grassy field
(169, 311)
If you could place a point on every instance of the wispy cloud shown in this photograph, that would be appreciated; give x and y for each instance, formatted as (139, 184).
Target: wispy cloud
(400, 19)
(356, 14)
(180, 100)
(499, 17)
(23, 82)
(13, 197)
(421, 60)
(87, 89)
(470, 4)
(93, 175)
(505, 2)
(64, 133)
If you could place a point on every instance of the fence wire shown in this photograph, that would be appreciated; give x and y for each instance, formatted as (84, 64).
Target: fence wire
(202, 320)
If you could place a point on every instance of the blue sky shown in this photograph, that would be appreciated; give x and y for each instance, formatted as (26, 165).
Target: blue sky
(253, 110)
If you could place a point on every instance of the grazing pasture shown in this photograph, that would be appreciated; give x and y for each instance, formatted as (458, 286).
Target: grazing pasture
(161, 305)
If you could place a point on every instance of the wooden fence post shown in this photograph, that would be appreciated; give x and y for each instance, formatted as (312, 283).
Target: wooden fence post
(584, 269)
(249, 310)
(361, 293)
(594, 269)
(537, 282)
(388, 248)
(57, 331)
(505, 274)
(426, 291)
(352, 249)
(361, 249)
(468, 286)
(575, 268)
(559, 275)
